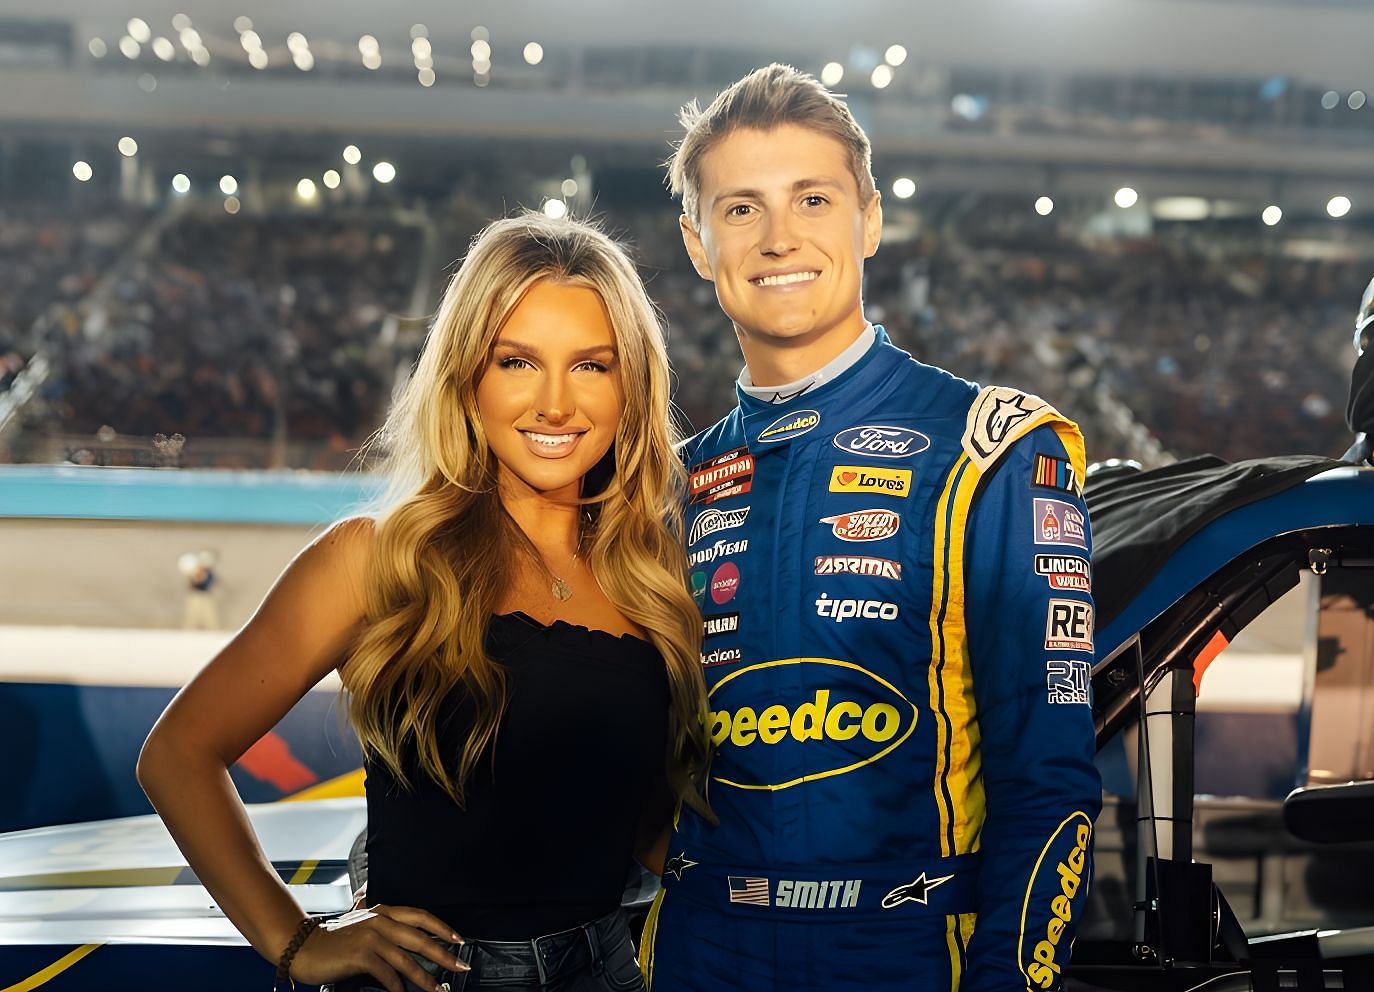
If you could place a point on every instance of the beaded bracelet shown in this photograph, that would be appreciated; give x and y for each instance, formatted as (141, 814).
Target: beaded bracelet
(303, 930)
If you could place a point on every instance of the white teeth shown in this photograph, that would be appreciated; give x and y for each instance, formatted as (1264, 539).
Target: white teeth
(552, 440)
(785, 280)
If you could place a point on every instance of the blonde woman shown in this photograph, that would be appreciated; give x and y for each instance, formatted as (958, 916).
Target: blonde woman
(514, 632)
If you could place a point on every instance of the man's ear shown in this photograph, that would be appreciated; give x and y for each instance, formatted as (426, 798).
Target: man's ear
(873, 224)
(696, 251)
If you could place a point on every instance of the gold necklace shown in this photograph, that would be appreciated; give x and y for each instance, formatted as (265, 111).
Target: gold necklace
(562, 590)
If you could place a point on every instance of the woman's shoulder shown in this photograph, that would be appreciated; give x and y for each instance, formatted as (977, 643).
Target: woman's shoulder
(335, 563)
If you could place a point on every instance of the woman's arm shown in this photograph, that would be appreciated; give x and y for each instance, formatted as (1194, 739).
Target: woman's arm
(302, 631)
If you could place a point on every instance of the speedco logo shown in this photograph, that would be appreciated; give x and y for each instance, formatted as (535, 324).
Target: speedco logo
(877, 441)
(713, 521)
(863, 479)
(864, 525)
(1041, 967)
(793, 425)
(840, 718)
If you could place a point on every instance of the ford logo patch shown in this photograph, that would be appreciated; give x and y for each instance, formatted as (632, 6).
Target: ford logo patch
(878, 441)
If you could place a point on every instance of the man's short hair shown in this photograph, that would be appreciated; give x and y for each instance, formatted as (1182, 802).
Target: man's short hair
(765, 99)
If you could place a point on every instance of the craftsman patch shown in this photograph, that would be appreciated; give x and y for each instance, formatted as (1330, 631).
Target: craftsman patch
(730, 474)
(1055, 473)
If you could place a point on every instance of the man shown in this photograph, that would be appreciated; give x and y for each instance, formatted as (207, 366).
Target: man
(893, 567)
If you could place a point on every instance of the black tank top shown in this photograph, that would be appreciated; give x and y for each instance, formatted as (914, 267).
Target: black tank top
(553, 807)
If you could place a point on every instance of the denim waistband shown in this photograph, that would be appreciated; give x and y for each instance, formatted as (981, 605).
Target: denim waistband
(937, 886)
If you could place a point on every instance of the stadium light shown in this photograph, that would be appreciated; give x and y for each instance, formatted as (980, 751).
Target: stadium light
(129, 48)
(128, 147)
(181, 183)
(180, 22)
(1338, 206)
(228, 185)
(1331, 100)
(250, 41)
(332, 179)
(97, 48)
(1181, 208)
(481, 51)
(419, 31)
(82, 171)
(421, 48)
(190, 39)
(832, 73)
(306, 190)
(367, 43)
(534, 53)
(480, 33)
(1271, 215)
(201, 56)
(895, 55)
(904, 188)
(882, 76)
(231, 204)
(426, 76)
(481, 78)
(1044, 206)
(555, 208)
(372, 60)
(297, 42)
(1356, 100)
(164, 49)
(257, 58)
(384, 172)
(481, 67)
(569, 187)
(147, 82)
(352, 155)
(304, 59)
(242, 24)
(1125, 197)
(139, 31)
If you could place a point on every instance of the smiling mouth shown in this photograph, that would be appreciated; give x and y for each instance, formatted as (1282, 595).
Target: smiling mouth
(788, 279)
(553, 442)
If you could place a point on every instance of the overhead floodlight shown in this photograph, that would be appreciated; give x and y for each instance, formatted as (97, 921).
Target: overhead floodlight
(164, 49)
(190, 39)
(231, 204)
(242, 24)
(534, 53)
(372, 60)
(1356, 100)
(128, 147)
(305, 61)
(129, 48)
(295, 42)
(419, 31)
(180, 22)
(882, 76)
(139, 31)
(228, 185)
(481, 50)
(384, 172)
(258, 59)
(904, 188)
(1331, 100)
(895, 55)
(367, 43)
(480, 33)
(1125, 197)
(1338, 206)
(352, 155)
(181, 183)
(306, 189)
(555, 208)
(569, 187)
(1044, 206)
(1271, 215)
(332, 179)
(426, 76)
(250, 40)
(832, 73)
(97, 48)
(82, 171)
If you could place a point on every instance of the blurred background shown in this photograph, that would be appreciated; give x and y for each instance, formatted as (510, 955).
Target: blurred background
(224, 228)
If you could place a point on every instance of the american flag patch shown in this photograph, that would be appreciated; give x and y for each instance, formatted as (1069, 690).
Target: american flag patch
(1055, 473)
(753, 891)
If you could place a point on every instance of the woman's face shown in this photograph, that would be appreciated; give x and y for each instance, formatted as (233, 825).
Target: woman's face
(551, 398)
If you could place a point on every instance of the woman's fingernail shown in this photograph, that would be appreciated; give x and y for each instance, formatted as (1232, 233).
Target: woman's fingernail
(463, 967)
(456, 939)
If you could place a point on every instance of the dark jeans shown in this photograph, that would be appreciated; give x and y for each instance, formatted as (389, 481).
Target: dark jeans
(595, 957)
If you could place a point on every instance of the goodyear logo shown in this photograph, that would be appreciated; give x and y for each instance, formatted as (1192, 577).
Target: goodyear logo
(790, 426)
(866, 479)
(841, 718)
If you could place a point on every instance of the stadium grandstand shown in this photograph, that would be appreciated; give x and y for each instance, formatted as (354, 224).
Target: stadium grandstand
(222, 232)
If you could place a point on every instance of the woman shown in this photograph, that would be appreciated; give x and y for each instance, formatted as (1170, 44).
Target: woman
(515, 636)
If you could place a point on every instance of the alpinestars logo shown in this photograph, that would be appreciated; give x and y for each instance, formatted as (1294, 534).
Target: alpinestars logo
(712, 521)
(917, 890)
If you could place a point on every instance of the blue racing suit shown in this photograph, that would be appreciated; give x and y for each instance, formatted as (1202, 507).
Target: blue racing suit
(893, 571)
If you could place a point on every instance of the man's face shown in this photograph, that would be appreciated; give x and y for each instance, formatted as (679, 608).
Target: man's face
(783, 235)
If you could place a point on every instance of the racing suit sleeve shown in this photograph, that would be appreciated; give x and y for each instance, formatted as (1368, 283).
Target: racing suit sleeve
(1029, 622)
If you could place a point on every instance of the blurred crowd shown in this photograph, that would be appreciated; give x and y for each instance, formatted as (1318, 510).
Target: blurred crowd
(274, 328)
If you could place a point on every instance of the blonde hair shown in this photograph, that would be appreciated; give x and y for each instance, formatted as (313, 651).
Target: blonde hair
(445, 548)
(765, 99)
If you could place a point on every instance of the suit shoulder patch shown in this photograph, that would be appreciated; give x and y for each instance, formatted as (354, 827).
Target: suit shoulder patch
(999, 417)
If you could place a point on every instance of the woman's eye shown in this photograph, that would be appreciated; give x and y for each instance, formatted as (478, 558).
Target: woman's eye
(594, 367)
(512, 362)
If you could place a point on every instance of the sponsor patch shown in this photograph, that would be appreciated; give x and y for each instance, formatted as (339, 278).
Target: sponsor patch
(699, 587)
(867, 479)
(841, 610)
(1065, 572)
(1055, 473)
(883, 568)
(1067, 681)
(880, 441)
(730, 474)
(719, 549)
(714, 521)
(996, 414)
(864, 525)
(725, 583)
(720, 656)
(793, 425)
(750, 891)
(719, 623)
(918, 890)
(1069, 626)
(1053, 900)
(1057, 522)
(775, 730)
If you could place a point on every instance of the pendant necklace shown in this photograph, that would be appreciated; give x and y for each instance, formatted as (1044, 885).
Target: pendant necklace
(560, 588)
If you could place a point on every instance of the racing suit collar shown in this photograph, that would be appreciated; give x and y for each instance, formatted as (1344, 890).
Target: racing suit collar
(769, 425)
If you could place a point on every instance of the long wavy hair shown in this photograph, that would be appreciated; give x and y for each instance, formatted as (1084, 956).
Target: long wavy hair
(445, 549)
